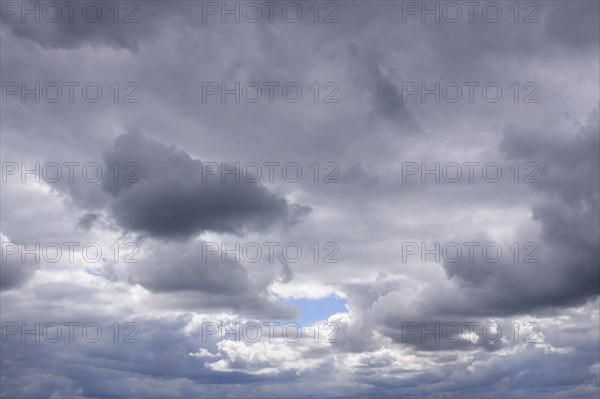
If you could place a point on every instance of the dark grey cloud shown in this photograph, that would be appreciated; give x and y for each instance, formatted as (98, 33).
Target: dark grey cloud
(83, 23)
(172, 198)
(386, 96)
(161, 352)
(188, 279)
(87, 220)
(14, 270)
(568, 214)
(14, 273)
(584, 33)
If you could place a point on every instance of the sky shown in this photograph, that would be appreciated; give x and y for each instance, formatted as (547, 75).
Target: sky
(315, 199)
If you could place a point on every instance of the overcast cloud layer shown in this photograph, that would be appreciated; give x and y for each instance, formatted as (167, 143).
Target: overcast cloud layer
(441, 179)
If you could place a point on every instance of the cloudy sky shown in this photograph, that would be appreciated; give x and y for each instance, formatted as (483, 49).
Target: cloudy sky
(300, 199)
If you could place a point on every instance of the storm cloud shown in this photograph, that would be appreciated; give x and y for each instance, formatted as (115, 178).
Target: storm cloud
(172, 196)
